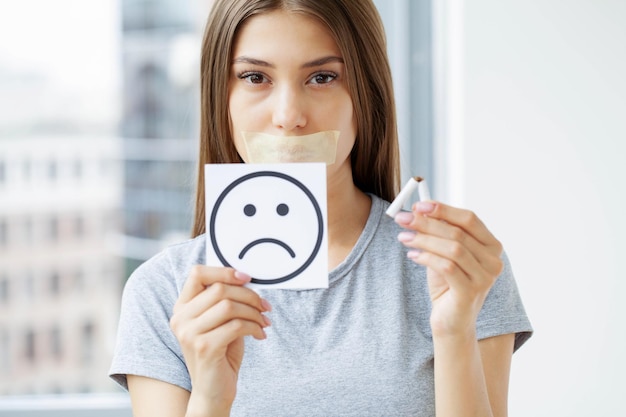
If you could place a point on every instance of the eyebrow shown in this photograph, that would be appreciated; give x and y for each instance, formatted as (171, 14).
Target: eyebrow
(315, 63)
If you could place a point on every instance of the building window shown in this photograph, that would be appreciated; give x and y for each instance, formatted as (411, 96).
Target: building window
(4, 233)
(53, 229)
(55, 283)
(77, 169)
(29, 285)
(27, 168)
(79, 226)
(79, 279)
(4, 290)
(52, 169)
(56, 343)
(29, 346)
(5, 351)
(28, 230)
(3, 173)
(87, 343)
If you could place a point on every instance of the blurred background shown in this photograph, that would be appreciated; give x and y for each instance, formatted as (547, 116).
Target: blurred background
(98, 123)
(516, 110)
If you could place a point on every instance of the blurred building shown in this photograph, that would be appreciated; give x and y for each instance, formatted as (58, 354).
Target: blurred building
(161, 47)
(80, 208)
(60, 282)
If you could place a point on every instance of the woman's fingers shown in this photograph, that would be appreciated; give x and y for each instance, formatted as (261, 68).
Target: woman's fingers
(210, 344)
(212, 298)
(456, 241)
(454, 229)
(220, 291)
(453, 243)
(202, 276)
(456, 252)
(229, 332)
(464, 219)
(224, 312)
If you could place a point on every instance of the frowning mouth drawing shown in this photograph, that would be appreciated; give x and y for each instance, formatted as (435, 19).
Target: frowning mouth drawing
(266, 240)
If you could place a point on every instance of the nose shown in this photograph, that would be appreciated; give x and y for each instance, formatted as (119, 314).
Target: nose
(289, 109)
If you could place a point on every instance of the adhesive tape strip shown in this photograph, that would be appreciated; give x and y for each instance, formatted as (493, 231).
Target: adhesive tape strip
(316, 147)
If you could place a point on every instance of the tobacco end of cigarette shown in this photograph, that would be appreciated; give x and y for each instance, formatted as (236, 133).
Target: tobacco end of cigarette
(418, 179)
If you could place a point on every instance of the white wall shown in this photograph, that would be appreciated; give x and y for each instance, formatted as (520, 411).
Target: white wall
(544, 165)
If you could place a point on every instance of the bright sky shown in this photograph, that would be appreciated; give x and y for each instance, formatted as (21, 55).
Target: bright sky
(74, 42)
(60, 61)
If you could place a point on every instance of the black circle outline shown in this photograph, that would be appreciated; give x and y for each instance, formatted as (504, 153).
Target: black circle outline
(286, 177)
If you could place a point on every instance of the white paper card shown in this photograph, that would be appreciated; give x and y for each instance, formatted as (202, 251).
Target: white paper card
(269, 221)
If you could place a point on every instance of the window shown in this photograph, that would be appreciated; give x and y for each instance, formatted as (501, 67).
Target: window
(27, 169)
(79, 279)
(29, 346)
(55, 283)
(4, 233)
(5, 351)
(409, 39)
(77, 169)
(4, 289)
(56, 343)
(52, 170)
(53, 229)
(87, 343)
(79, 226)
(29, 285)
(28, 230)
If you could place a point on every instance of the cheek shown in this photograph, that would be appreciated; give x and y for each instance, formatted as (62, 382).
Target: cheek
(237, 124)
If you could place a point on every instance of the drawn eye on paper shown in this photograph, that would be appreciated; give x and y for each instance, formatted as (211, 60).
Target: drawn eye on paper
(269, 221)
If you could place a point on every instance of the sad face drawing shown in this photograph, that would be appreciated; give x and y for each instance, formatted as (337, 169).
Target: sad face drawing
(267, 224)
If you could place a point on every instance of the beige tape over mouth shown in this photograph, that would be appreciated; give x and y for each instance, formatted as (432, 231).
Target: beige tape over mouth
(316, 147)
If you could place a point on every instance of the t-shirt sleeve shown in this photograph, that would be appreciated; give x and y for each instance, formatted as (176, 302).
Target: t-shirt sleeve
(503, 311)
(145, 345)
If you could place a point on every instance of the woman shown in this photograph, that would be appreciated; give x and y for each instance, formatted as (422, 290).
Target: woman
(426, 332)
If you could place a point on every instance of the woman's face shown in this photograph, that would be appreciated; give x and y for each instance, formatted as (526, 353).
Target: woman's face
(288, 78)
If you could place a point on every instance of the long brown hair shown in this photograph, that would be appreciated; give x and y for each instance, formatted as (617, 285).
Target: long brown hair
(357, 28)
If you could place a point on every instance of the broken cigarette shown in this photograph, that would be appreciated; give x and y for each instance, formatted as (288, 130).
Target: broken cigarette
(418, 183)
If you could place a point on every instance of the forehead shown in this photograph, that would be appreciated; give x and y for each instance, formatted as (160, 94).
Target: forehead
(287, 31)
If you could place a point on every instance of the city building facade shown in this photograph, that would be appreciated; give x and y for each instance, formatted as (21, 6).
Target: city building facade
(60, 279)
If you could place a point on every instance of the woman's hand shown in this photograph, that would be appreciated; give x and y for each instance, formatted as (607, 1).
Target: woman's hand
(212, 315)
(462, 259)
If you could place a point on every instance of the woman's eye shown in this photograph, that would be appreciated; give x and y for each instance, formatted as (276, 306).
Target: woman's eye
(252, 77)
(323, 78)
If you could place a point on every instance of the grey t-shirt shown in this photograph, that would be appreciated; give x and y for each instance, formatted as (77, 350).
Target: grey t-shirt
(362, 347)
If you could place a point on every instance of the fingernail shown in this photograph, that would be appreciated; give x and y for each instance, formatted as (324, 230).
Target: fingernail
(404, 217)
(266, 305)
(267, 321)
(406, 236)
(242, 276)
(413, 253)
(424, 207)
